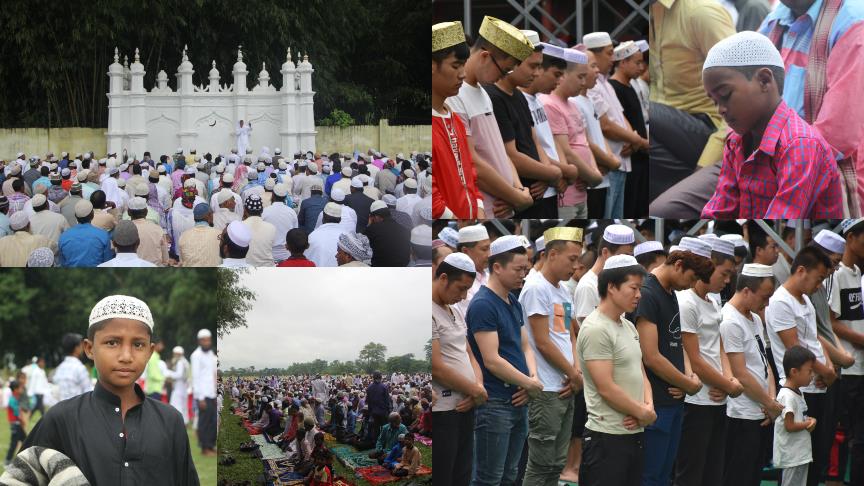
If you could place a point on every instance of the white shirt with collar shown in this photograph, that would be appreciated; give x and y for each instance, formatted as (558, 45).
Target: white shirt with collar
(126, 260)
(234, 263)
(203, 374)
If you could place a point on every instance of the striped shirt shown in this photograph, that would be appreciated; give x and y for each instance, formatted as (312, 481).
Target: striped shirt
(792, 174)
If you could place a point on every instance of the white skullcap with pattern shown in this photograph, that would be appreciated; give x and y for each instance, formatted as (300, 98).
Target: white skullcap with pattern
(121, 307)
(745, 48)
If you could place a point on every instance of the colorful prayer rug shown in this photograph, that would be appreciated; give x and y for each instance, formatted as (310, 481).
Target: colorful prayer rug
(352, 458)
(423, 440)
(381, 475)
(268, 450)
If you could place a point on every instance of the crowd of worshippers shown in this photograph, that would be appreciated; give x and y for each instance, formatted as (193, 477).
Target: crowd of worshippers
(362, 411)
(190, 210)
(543, 130)
(753, 108)
(576, 354)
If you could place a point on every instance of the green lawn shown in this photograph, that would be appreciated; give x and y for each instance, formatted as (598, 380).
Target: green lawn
(232, 434)
(206, 466)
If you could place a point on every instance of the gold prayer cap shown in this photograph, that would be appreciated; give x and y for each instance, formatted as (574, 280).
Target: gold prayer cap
(447, 34)
(506, 37)
(562, 233)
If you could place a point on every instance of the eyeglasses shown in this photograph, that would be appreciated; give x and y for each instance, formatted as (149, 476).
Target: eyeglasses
(503, 72)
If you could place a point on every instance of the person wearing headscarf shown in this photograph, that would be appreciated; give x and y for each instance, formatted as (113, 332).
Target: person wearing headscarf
(353, 250)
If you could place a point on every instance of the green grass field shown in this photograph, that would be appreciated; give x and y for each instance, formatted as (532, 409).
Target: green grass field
(206, 466)
(232, 434)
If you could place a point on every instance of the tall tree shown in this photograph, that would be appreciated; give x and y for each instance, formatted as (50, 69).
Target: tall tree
(372, 357)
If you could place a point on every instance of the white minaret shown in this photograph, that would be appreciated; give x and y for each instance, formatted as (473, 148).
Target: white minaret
(137, 133)
(187, 134)
(288, 133)
(116, 102)
(306, 113)
(240, 90)
(214, 78)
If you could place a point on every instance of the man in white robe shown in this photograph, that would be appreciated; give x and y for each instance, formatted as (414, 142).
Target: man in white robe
(180, 375)
(243, 132)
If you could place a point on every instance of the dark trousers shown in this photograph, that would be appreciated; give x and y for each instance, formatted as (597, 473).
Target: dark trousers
(745, 451)
(40, 405)
(17, 435)
(677, 140)
(686, 199)
(852, 396)
(452, 455)
(207, 425)
(597, 202)
(611, 459)
(378, 421)
(636, 190)
(703, 444)
(546, 208)
(820, 406)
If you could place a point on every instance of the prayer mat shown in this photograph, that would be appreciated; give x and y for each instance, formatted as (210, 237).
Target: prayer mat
(423, 440)
(381, 475)
(249, 428)
(268, 451)
(352, 458)
(281, 463)
(341, 482)
(329, 438)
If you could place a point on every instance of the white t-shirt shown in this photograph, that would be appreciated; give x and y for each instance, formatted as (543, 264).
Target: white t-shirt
(450, 331)
(740, 336)
(544, 133)
(586, 298)
(702, 317)
(845, 302)
(539, 297)
(785, 312)
(791, 448)
(592, 126)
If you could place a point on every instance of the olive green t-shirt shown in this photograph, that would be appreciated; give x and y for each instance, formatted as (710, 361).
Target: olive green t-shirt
(601, 338)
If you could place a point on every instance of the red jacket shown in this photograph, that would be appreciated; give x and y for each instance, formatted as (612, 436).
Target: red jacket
(451, 199)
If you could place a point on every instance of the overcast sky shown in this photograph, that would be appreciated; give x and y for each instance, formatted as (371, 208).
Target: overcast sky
(303, 314)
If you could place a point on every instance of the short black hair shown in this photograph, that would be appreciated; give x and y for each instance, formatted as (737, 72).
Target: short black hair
(234, 250)
(504, 258)
(93, 329)
(758, 238)
(750, 282)
(460, 50)
(296, 240)
(495, 51)
(616, 277)
(493, 230)
(44, 170)
(98, 199)
(701, 266)
(778, 72)
(69, 342)
(719, 258)
(326, 218)
(612, 247)
(422, 252)
(453, 273)
(552, 61)
(649, 257)
(137, 213)
(14, 385)
(17, 184)
(795, 358)
(460, 246)
(810, 258)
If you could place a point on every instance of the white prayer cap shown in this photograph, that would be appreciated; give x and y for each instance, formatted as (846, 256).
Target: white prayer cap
(355, 244)
(179, 150)
(725, 247)
(695, 246)
(239, 233)
(532, 37)
(141, 190)
(674, 248)
(596, 39)
(448, 235)
(120, 182)
(643, 45)
(525, 242)
(282, 165)
(333, 209)
(504, 243)
(83, 208)
(277, 150)
(346, 171)
(470, 234)
(204, 333)
(376, 205)
(137, 203)
(121, 307)
(281, 190)
(411, 183)
(19, 220)
(82, 175)
(20, 154)
(270, 183)
(357, 182)
(647, 247)
(619, 261)
(848, 224)
(540, 244)
(223, 196)
(625, 50)
(337, 195)
(737, 240)
(831, 241)
(708, 237)
(422, 235)
(757, 270)
(409, 173)
(38, 200)
(190, 182)
(619, 234)
(461, 261)
(745, 48)
(178, 350)
(228, 178)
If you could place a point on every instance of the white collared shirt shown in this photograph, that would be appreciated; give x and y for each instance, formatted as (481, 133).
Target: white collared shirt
(203, 374)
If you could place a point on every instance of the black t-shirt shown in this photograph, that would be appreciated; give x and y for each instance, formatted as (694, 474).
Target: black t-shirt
(514, 122)
(661, 308)
(633, 112)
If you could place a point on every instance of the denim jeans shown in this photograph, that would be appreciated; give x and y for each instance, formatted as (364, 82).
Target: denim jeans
(661, 445)
(500, 431)
(615, 195)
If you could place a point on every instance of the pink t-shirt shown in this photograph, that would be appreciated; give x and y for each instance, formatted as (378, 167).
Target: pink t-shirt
(566, 119)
